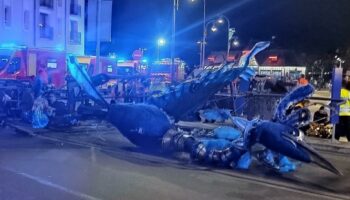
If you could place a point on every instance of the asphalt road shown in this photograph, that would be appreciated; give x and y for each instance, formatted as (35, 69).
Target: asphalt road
(57, 166)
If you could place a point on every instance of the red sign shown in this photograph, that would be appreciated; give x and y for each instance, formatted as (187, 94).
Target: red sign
(137, 55)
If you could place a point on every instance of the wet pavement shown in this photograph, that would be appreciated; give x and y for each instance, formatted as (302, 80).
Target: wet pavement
(95, 162)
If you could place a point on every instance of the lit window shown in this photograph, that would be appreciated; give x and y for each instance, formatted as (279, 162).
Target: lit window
(273, 58)
(109, 68)
(7, 15)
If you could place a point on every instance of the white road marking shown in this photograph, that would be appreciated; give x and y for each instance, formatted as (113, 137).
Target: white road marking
(54, 185)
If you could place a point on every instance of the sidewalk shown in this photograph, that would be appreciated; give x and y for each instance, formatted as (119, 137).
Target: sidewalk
(327, 145)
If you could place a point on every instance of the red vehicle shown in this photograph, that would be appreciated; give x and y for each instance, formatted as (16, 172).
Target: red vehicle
(164, 68)
(25, 63)
(108, 65)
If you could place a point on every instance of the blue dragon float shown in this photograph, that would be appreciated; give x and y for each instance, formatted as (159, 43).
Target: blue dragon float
(152, 125)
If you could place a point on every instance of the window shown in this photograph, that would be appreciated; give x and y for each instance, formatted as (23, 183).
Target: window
(73, 26)
(75, 36)
(109, 68)
(7, 15)
(26, 19)
(52, 64)
(46, 3)
(3, 61)
(14, 66)
(46, 31)
(43, 20)
(75, 8)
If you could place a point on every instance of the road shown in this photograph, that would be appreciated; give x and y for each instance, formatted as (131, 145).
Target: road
(74, 166)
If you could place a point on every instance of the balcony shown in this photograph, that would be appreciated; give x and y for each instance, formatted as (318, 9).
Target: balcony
(75, 38)
(46, 3)
(46, 32)
(75, 9)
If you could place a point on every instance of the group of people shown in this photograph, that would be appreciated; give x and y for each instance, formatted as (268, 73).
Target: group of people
(342, 128)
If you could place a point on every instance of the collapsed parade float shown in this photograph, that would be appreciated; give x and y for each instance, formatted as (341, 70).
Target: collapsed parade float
(277, 143)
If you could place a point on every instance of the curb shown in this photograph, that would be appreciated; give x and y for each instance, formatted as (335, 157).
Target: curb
(329, 147)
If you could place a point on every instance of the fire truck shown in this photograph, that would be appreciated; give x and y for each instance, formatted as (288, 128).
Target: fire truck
(107, 65)
(164, 69)
(17, 62)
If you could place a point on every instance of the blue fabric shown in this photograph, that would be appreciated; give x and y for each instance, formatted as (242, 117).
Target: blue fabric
(195, 93)
(216, 114)
(245, 161)
(297, 95)
(286, 165)
(268, 158)
(215, 144)
(278, 138)
(39, 119)
(142, 124)
(81, 76)
(227, 133)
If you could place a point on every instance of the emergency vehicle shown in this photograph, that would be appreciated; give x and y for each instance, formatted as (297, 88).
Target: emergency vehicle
(19, 62)
(163, 68)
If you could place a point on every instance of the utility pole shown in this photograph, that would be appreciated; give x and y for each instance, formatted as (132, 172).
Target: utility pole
(98, 37)
(204, 33)
(173, 40)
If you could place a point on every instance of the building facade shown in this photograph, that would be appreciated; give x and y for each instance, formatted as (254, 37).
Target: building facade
(43, 24)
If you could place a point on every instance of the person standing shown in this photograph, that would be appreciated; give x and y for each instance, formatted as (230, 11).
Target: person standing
(40, 83)
(302, 80)
(343, 127)
(72, 93)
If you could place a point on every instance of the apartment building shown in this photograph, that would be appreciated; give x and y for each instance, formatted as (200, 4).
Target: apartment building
(43, 24)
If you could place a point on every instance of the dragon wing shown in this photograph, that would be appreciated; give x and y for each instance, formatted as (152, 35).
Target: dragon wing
(298, 94)
(81, 76)
(190, 95)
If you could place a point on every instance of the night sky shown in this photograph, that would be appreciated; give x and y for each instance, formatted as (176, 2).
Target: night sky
(310, 26)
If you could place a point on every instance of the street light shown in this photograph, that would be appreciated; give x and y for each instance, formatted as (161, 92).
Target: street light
(235, 43)
(214, 28)
(204, 41)
(230, 33)
(341, 61)
(161, 42)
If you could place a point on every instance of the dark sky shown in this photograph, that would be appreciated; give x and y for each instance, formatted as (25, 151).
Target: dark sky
(311, 26)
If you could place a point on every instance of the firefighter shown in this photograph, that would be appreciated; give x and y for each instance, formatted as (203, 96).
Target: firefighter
(343, 127)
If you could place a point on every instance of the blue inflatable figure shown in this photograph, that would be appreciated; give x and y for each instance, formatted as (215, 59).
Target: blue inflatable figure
(151, 125)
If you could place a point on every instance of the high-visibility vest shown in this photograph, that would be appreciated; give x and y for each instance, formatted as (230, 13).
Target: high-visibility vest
(345, 107)
(303, 81)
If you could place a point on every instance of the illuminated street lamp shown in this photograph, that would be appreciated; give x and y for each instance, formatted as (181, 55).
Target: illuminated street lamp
(230, 32)
(161, 42)
(214, 28)
(204, 41)
(340, 61)
(235, 43)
